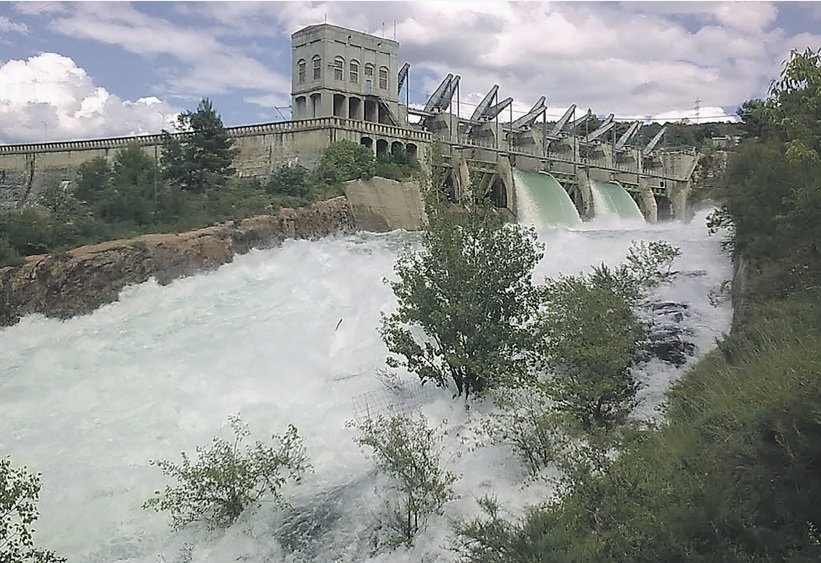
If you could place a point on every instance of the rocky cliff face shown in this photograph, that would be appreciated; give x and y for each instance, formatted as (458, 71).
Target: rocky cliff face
(83, 279)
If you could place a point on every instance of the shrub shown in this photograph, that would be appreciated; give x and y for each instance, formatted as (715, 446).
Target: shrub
(8, 254)
(290, 180)
(19, 491)
(588, 336)
(405, 448)
(345, 160)
(471, 315)
(525, 420)
(225, 480)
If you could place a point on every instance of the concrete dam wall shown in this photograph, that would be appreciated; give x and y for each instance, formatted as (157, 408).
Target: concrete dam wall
(27, 170)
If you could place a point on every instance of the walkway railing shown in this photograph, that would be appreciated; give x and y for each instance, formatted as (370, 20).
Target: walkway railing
(376, 129)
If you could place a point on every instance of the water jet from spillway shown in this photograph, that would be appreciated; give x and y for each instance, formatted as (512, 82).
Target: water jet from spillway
(542, 201)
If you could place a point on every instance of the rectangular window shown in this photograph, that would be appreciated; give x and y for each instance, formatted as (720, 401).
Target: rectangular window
(368, 70)
(301, 72)
(354, 73)
(317, 68)
(339, 70)
(383, 79)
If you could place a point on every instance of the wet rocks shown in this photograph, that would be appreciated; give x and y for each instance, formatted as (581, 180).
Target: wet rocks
(668, 337)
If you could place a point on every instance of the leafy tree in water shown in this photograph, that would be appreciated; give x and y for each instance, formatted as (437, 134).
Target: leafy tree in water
(405, 448)
(588, 335)
(19, 491)
(225, 480)
(464, 298)
(202, 158)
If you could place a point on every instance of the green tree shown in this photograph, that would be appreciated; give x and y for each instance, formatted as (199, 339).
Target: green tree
(92, 179)
(753, 114)
(202, 157)
(224, 480)
(129, 194)
(590, 338)
(469, 292)
(406, 448)
(795, 104)
(588, 335)
(290, 180)
(19, 491)
(343, 161)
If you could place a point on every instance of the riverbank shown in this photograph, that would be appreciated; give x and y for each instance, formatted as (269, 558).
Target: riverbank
(82, 279)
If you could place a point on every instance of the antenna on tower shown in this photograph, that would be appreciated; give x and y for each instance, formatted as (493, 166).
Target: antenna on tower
(697, 107)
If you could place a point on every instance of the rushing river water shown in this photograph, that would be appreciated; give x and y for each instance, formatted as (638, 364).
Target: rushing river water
(287, 335)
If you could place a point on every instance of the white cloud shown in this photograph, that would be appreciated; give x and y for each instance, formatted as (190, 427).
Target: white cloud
(704, 115)
(634, 58)
(206, 65)
(9, 26)
(48, 97)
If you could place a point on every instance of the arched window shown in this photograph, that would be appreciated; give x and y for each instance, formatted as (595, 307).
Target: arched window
(300, 71)
(354, 72)
(317, 67)
(383, 78)
(339, 68)
(368, 70)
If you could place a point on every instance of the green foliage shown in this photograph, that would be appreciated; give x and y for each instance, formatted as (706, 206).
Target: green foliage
(202, 159)
(406, 449)
(772, 191)
(228, 477)
(525, 420)
(92, 179)
(469, 291)
(19, 491)
(732, 477)
(587, 336)
(590, 337)
(290, 180)
(795, 105)
(8, 254)
(396, 166)
(343, 161)
(756, 121)
(27, 231)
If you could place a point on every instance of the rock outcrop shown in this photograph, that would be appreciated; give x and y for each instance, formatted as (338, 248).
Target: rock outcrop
(85, 278)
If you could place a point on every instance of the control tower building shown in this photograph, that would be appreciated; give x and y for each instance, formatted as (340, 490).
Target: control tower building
(338, 72)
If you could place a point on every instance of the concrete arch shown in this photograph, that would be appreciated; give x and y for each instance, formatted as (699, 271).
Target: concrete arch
(397, 148)
(340, 105)
(368, 143)
(381, 147)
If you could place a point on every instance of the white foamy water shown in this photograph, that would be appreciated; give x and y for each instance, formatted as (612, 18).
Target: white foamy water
(89, 401)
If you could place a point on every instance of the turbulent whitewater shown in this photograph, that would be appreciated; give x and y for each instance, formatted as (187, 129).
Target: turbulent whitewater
(287, 335)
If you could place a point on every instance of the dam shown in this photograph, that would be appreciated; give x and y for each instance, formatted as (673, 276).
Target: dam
(348, 85)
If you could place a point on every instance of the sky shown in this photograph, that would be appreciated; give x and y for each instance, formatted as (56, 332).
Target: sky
(72, 70)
